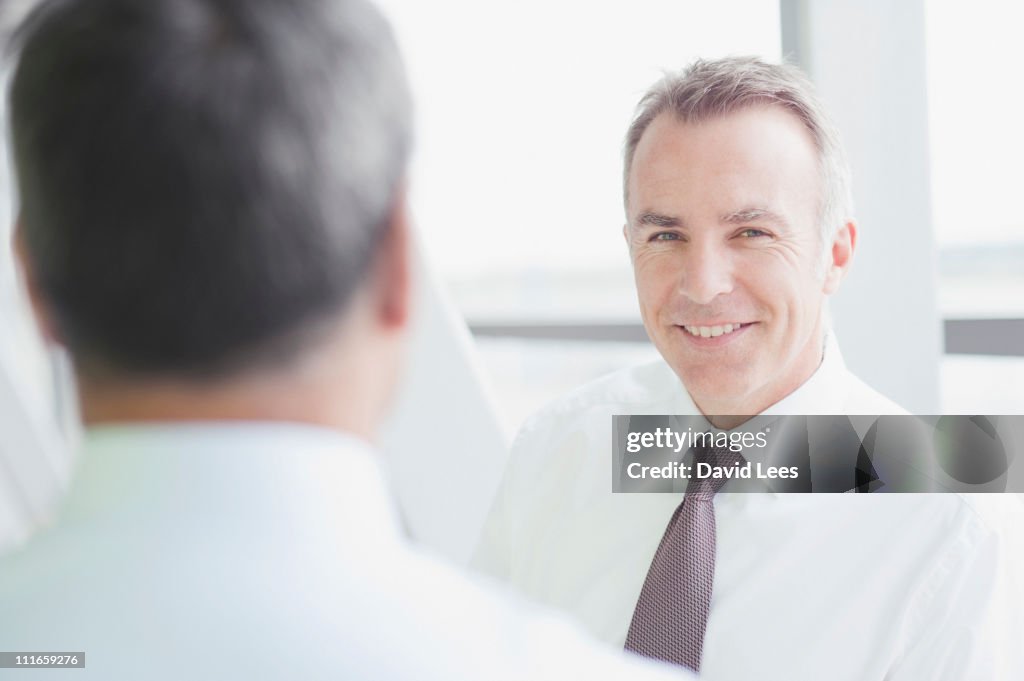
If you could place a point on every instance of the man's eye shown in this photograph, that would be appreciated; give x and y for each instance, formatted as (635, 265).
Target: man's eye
(753, 233)
(665, 236)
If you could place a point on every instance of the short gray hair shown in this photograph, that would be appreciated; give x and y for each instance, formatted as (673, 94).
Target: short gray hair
(204, 183)
(708, 89)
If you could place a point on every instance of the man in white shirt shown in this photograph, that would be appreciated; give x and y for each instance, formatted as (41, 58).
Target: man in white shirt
(738, 225)
(213, 223)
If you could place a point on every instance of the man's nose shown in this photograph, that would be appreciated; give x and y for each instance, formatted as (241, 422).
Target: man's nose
(707, 273)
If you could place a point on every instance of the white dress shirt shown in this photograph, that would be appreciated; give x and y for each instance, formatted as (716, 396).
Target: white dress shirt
(837, 586)
(252, 551)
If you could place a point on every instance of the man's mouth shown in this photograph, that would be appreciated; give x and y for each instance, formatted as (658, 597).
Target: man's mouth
(716, 330)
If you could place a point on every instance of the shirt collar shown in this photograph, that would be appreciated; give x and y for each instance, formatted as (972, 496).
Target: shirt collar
(253, 479)
(823, 392)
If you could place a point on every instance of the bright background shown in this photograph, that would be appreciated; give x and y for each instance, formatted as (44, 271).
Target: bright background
(517, 182)
(517, 179)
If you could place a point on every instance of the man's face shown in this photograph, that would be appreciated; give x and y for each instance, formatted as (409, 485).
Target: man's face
(723, 234)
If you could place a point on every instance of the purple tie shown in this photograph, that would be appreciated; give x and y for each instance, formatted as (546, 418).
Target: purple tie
(671, 614)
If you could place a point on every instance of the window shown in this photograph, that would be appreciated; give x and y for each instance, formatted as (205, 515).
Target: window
(977, 141)
(516, 183)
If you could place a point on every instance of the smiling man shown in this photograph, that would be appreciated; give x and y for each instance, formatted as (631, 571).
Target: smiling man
(731, 269)
(739, 228)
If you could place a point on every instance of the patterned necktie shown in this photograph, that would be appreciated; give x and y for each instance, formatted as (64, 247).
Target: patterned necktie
(671, 614)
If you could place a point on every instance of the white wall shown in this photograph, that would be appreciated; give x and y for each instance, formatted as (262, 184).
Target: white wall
(443, 444)
(34, 462)
(867, 59)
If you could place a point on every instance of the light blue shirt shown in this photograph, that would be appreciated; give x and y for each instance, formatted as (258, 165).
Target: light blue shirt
(261, 551)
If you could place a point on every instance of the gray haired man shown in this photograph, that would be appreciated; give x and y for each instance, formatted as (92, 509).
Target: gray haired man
(739, 226)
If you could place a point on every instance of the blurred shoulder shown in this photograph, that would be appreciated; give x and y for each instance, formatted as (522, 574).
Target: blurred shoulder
(651, 387)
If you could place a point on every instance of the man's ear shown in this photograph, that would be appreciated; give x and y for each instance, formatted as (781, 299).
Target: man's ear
(41, 310)
(392, 269)
(840, 256)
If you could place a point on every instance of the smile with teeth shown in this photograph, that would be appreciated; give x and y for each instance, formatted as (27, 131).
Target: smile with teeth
(712, 331)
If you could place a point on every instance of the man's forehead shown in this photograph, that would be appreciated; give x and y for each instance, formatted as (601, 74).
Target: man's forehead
(756, 159)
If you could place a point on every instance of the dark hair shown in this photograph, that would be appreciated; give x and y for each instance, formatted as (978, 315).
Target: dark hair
(203, 182)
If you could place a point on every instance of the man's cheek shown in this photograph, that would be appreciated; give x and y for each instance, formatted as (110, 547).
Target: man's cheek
(651, 295)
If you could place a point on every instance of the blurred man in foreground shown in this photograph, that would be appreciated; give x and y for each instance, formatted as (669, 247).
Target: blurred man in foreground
(213, 223)
(739, 228)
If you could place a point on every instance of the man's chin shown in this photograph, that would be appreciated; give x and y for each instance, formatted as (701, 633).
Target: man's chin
(717, 387)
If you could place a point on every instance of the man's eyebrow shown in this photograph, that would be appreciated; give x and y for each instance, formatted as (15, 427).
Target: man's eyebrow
(751, 214)
(657, 220)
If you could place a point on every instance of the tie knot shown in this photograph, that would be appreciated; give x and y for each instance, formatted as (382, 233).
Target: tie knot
(713, 467)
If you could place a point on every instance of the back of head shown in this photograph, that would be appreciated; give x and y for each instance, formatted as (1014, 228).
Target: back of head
(203, 182)
(709, 89)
